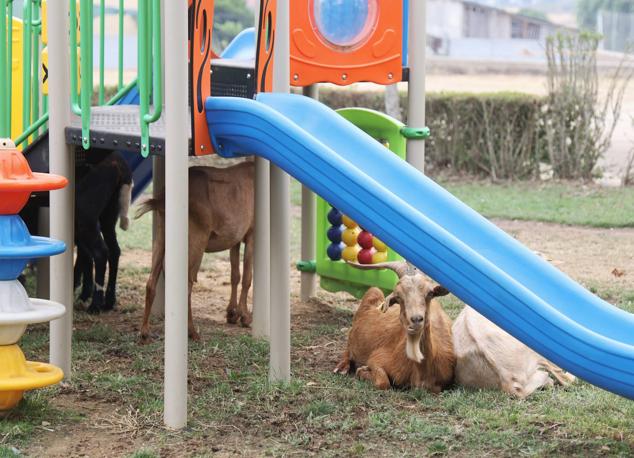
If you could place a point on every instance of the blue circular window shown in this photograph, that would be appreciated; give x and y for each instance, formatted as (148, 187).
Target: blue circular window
(345, 23)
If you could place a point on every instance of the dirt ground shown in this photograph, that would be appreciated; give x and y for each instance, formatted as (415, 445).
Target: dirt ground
(588, 255)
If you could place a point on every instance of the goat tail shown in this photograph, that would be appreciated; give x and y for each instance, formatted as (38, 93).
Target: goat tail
(149, 205)
(125, 198)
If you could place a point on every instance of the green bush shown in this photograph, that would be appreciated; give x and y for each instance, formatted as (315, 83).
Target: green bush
(493, 135)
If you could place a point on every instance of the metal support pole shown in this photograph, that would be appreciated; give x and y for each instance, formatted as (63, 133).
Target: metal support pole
(176, 211)
(280, 358)
(416, 87)
(260, 326)
(158, 186)
(62, 162)
(43, 264)
(262, 254)
(309, 222)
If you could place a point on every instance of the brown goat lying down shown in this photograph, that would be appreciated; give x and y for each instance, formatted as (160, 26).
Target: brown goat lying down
(489, 357)
(410, 347)
(221, 217)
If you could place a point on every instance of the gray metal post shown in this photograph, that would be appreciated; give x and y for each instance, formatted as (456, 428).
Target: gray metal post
(158, 186)
(309, 209)
(262, 254)
(44, 264)
(280, 324)
(62, 202)
(176, 211)
(416, 87)
(262, 251)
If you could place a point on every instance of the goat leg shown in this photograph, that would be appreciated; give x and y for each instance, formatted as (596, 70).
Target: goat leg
(193, 333)
(246, 317)
(114, 253)
(376, 375)
(344, 364)
(233, 314)
(108, 222)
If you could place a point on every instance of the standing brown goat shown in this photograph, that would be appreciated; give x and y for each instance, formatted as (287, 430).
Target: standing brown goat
(412, 347)
(221, 208)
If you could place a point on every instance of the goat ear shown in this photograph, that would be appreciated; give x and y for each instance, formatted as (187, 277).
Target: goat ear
(389, 302)
(439, 291)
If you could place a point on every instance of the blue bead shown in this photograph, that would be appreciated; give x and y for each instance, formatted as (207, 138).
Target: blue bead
(335, 250)
(334, 217)
(334, 234)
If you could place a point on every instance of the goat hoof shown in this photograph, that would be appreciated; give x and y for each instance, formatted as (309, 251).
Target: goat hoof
(93, 310)
(363, 373)
(232, 316)
(342, 368)
(108, 307)
(193, 335)
(246, 320)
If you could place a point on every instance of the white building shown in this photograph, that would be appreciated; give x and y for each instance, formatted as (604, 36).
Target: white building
(468, 29)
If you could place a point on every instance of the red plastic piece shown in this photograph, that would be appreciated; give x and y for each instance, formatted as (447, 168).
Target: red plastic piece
(17, 181)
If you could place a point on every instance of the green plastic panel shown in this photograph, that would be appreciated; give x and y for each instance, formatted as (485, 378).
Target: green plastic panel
(337, 275)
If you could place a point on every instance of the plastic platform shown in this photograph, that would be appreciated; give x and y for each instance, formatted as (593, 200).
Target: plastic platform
(118, 127)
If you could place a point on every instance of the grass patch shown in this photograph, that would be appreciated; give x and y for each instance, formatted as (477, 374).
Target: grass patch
(563, 203)
(234, 409)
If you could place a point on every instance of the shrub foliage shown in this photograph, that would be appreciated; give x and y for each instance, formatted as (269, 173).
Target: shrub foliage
(494, 135)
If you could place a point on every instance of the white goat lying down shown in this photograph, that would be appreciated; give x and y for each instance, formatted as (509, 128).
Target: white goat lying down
(488, 357)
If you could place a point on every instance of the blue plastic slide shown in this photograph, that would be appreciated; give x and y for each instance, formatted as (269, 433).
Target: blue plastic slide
(443, 237)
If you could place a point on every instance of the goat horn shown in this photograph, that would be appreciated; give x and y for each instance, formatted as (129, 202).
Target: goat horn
(399, 267)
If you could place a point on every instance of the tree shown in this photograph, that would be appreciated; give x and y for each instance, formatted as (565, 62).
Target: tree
(587, 10)
(230, 18)
(535, 14)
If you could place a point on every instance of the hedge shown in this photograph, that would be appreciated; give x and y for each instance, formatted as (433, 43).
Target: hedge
(495, 135)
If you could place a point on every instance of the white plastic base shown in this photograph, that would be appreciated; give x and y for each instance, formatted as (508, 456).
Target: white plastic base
(17, 311)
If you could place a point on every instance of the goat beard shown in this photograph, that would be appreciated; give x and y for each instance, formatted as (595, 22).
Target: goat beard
(413, 347)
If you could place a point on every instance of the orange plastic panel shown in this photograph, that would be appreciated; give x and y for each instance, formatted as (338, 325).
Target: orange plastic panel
(374, 58)
(266, 42)
(17, 182)
(201, 19)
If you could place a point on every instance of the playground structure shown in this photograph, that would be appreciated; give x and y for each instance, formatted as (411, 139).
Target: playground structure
(351, 170)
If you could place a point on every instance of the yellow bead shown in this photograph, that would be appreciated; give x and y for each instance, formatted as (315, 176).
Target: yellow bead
(349, 222)
(379, 256)
(380, 246)
(350, 253)
(350, 236)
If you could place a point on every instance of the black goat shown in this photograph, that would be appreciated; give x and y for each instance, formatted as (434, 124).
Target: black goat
(102, 195)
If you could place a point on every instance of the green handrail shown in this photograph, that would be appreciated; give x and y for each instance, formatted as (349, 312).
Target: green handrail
(150, 68)
(31, 129)
(5, 105)
(81, 104)
(120, 55)
(102, 51)
(36, 24)
(9, 65)
(26, 63)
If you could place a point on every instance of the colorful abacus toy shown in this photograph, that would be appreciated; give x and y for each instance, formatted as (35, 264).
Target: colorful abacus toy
(17, 248)
(341, 239)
